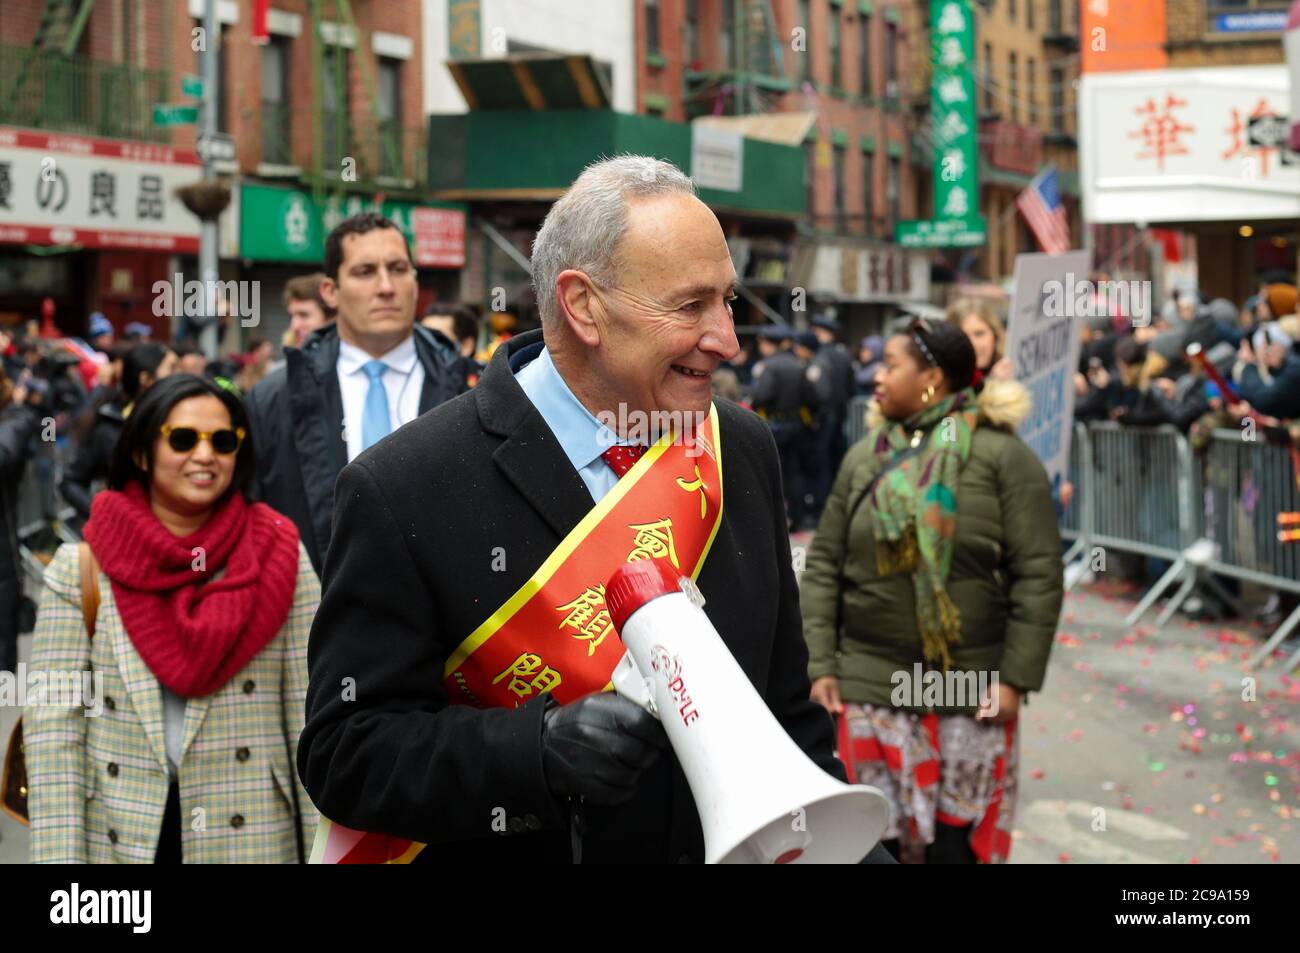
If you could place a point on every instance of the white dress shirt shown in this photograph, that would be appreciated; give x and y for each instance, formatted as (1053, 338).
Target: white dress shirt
(403, 380)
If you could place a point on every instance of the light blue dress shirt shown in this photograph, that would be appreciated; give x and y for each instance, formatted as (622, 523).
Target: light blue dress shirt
(582, 437)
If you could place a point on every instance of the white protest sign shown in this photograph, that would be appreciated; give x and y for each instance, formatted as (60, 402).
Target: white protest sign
(1052, 294)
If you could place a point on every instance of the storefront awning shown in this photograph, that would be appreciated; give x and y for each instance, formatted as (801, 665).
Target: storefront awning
(787, 129)
(531, 81)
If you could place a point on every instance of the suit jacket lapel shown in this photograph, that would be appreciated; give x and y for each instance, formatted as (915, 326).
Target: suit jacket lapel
(140, 682)
(195, 710)
(530, 457)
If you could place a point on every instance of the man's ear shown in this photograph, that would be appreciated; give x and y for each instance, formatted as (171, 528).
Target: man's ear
(329, 292)
(579, 308)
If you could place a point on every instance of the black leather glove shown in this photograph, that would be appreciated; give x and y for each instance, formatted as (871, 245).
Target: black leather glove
(597, 747)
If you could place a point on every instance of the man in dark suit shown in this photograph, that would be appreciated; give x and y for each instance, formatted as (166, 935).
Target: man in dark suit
(440, 524)
(354, 380)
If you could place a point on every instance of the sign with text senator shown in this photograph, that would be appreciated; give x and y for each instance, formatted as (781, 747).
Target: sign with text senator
(59, 189)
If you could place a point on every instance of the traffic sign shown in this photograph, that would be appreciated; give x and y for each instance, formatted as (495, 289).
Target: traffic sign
(1269, 132)
(192, 86)
(216, 147)
(941, 233)
(175, 114)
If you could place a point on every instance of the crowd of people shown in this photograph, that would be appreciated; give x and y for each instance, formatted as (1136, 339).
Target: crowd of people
(379, 490)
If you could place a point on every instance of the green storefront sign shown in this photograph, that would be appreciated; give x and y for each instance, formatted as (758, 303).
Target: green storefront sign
(954, 127)
(279, 224)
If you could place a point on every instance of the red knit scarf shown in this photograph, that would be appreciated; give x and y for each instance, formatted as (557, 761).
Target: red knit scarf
(195, 632)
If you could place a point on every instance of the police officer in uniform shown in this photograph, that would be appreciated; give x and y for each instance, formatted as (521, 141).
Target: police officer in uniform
(779, 392)
(812, 415)
(837, 385)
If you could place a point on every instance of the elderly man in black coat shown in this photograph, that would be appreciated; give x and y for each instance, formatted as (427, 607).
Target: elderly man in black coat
(438, 525)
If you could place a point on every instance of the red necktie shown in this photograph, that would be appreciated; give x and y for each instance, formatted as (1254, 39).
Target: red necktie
(622, 459)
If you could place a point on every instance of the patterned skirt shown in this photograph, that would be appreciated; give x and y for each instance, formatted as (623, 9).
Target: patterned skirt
(936, 769)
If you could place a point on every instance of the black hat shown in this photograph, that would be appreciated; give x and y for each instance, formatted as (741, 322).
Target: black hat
(775, 332)
(807, 339)
(830, 324)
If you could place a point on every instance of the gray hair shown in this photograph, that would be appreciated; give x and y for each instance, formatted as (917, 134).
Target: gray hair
(584, 227)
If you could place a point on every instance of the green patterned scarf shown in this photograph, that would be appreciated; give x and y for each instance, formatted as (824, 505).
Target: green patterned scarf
(914, 507)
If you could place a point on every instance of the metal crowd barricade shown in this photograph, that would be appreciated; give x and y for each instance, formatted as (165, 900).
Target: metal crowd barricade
(1139, 496)
(1247, 483)
(1074, 518)
(855, 419)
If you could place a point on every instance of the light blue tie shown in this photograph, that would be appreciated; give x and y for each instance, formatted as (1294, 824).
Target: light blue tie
(375, 424)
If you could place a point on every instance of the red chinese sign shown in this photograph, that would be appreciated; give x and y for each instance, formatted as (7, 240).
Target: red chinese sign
(1239, 131)
(1160, 130)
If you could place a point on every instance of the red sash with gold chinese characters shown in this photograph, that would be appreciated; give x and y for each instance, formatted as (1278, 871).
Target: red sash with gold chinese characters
(554, 634)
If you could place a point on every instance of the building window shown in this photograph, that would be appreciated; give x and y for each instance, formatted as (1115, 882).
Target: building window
(691, 33)
(868, 193)
(834, 12)
(988, 78)
(1031, 84)
(1013, 106)
(894, 191)
(390, 117)
(864, 53)
(1029, 13)
(1057, 84)
(805, 58)
(1011, 9)
(891, 60)
(1055, 21)
(276, 121)
(841, 154)
(652, 26)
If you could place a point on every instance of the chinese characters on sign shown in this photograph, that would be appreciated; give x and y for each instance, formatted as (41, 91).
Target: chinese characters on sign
(954, 133)
(1160, 130)
(952, 104)
(1198, 144)
(97, 193)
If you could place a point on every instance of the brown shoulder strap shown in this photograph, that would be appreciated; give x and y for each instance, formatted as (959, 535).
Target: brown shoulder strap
(89, 587)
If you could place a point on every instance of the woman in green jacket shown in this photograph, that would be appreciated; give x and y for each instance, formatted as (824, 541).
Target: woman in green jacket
(931, 598)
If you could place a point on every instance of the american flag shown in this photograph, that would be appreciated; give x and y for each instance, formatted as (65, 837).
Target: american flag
(1040, 204)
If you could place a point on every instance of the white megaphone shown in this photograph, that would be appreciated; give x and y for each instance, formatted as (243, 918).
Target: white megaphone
(761, 800)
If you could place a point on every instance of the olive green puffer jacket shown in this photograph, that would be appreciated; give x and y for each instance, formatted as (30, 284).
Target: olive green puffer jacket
(1005, 578)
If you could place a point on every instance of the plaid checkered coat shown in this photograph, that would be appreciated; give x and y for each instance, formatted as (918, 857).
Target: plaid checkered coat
(98, 786)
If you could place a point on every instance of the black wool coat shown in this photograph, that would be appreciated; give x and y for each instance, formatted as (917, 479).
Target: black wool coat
(423, 520)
